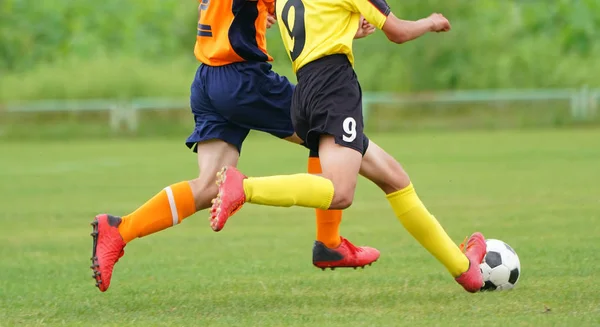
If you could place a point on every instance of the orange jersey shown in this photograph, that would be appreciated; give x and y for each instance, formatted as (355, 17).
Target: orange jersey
(232, 31)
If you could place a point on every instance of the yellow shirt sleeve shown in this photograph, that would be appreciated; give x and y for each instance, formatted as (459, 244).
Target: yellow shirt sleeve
(374, 11)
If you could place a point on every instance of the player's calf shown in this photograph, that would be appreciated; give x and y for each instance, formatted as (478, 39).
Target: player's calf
(384, 170)
(204, 190)
(213, 155)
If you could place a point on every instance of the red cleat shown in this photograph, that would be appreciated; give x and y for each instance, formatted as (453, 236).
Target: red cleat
(230, 198)
(344, 256)
(108, 248)
(472, 279)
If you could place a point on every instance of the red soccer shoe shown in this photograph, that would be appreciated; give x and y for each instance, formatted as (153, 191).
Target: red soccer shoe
(472, 279)
(108, 248)
(344, 256)
(230, 198)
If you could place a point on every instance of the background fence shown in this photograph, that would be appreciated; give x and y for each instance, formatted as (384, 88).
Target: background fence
(582, 103)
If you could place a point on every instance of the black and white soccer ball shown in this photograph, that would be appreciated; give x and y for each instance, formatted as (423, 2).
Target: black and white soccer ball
(501, 267)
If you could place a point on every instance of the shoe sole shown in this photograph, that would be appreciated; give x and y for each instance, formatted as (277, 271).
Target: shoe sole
(216, 223)
(333, 267)
(95, 266)
(216, 202)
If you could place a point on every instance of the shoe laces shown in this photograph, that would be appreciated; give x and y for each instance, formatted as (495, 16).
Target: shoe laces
(465, 242)
(351, 247)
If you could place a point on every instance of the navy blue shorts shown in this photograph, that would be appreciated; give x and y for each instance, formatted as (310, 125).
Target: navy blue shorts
(229, 101)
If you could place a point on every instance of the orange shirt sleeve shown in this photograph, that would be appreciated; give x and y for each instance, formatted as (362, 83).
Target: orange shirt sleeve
(270, 6)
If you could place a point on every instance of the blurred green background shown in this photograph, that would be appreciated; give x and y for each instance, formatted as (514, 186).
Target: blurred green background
(70, 49)
(112, 49)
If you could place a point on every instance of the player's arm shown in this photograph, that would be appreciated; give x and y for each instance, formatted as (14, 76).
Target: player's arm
(271, 17)
(378, 13)
(400, 31)
(364, 28)
(271, 20)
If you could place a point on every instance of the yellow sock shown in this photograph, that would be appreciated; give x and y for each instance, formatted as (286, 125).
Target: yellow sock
(328, 221)
(302, 190)
(167, 208)
(427, 230)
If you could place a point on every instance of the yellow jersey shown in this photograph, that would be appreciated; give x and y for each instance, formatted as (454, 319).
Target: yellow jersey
(312, 29)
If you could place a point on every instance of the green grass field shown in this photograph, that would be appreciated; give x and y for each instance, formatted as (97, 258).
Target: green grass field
(536, 190)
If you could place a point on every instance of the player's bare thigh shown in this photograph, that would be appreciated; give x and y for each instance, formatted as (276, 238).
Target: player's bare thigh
(340, 165)
(212, 155)
(382, 169)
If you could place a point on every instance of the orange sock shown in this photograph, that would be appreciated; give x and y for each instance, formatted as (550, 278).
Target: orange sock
(328, 221)
(167, 208)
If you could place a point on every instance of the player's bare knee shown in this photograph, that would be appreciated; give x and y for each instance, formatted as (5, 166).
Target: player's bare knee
(342, 200)
(343, 194)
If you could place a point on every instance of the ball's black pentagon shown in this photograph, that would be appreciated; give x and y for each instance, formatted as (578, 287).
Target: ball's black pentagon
(489, 286)
(493, 259)
(509, 248)
(514, 275)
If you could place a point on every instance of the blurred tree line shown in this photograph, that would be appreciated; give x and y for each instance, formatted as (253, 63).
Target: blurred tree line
(42, 32)
(60, 48)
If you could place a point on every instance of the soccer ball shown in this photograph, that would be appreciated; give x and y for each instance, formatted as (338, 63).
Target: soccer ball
(501, 267)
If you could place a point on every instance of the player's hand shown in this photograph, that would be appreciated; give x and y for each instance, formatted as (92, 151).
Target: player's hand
(439, 23)
(364, 28)
(271, 20)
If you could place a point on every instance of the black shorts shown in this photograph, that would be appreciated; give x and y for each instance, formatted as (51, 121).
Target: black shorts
(328, 101)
